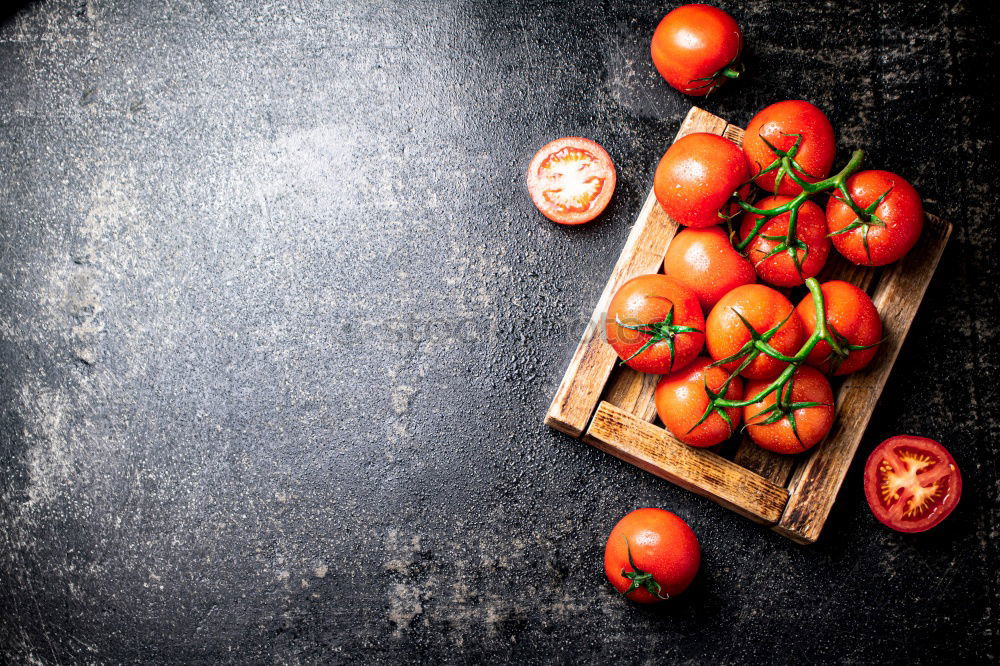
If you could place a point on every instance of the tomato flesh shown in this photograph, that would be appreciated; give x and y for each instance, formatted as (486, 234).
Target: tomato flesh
(571, 180)
(911, 483)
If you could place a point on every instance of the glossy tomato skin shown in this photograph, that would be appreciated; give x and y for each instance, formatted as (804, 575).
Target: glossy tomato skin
(681, 400)
(696, 42)
(912, 483)
(571, 180)
(697, 176)
(661, 544)
(704, 261)
(648, 299)
(812, 423)
(852, 318)
(810, 228)
(901, 212)
(776, 124)
(764, 308)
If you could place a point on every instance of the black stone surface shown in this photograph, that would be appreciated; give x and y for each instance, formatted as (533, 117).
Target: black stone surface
(278, 325)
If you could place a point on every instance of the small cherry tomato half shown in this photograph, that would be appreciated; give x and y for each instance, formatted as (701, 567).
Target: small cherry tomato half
(764, 309)
(783, 125)
(681, 401)
(695, 48)
(853, 322)
(704, 261)
(651, 555)
(775, 263)
(804, 416)
(571, 180)
(655, 324)
(911, 483)
(897, 218)
(697, 176)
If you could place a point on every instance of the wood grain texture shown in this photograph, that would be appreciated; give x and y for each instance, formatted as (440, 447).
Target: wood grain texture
(633, 391)
(814, 485)
(585, 378)
(657, 451)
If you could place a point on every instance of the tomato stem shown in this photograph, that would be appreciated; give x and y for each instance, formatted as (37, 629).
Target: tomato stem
(640, 578)
(758, 344)
(786, 166)
(661, 331)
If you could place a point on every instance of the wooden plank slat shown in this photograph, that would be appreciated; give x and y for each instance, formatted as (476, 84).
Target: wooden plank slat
(633, 391)
(592, 362)
(774, 467)
(815, 484)
(655, 450)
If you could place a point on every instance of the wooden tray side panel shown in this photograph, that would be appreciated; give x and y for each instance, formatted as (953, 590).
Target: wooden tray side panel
(591, 365)
(815, 484)
(655, 450)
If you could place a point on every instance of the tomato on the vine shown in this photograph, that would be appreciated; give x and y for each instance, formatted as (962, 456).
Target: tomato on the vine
(655, 324)
(571, 180)
(681, 401)
(764, 309)
(696, 178)
(704, 261)
(651, 555)
(796, 422)
(911, 483)
(695, 48)
(782, 125)
(770, 253)
(897, 218)
(853, 322)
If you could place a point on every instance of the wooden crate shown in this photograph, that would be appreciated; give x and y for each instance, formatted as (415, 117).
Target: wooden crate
(611, 406)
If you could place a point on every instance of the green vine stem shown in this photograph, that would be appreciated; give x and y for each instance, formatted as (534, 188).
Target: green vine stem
(660, 331)
(785, 163)
(782, 383)
(786, 167)
(640, 579)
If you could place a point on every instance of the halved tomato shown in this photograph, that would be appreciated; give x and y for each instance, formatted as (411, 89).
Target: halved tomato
(911, 483)
(571, 180)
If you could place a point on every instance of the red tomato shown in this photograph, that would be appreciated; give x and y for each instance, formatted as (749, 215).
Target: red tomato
(810, 230)
(695, 47)
(571, 180)
(911, 483)
(853, 321)
(764, 309)
(696, 178)
(655, 324)
(651, 555)
(681, 401)
(781, 125)
(805, 427)
(704, 261)
(899, 219)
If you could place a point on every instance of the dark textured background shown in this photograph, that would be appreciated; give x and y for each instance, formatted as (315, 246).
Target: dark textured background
(279, 324)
